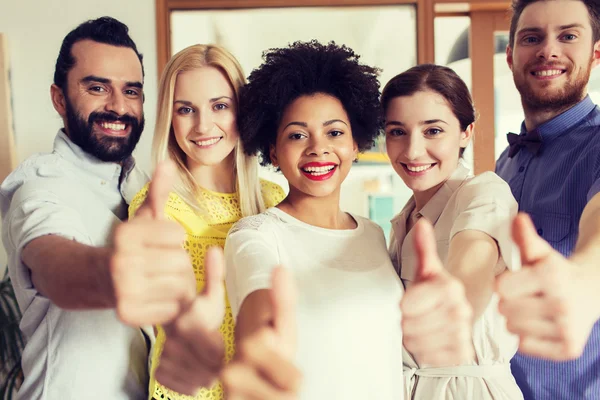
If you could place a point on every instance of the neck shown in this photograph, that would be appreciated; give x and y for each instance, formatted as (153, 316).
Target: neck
(323, 212)
(217, 178)
(422, 198)
(535, 117)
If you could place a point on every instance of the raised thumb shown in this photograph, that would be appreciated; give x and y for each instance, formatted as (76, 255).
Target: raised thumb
(161, 185)
(283, 300)
(530, 244)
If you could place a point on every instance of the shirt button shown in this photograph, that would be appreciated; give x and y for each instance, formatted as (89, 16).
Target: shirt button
(103, 182)
(540, 231)
(521, 169)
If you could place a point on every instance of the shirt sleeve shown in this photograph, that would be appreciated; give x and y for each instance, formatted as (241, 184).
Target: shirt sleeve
(486, 204)
(272, 193)
(595, 189)
(36, 210)
(138, 200)
(250, 257)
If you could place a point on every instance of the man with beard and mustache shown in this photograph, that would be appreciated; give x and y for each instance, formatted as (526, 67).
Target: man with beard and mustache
(84, 281)
(553, 169)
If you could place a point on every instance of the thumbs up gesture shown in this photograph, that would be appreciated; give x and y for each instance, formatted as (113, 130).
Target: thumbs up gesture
(263, 367)
(194, 351)
(545, 303)
(152, 274)
(436, 316)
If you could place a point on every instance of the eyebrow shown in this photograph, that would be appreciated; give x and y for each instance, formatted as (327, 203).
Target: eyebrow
(99, 79)
(560, 28)
(220, 98)
(426, 122)
(305, 125)
(189, 103)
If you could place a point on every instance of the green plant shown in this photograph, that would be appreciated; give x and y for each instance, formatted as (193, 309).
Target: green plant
(11, 341)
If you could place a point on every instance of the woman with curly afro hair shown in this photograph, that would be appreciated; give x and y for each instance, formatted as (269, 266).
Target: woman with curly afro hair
(308, 110)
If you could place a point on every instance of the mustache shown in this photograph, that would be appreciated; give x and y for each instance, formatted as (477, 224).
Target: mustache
(111, 117)
(549, 64)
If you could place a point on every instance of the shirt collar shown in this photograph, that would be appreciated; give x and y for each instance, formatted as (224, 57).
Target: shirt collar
(565, 121)
(434, 207)
(108, 171)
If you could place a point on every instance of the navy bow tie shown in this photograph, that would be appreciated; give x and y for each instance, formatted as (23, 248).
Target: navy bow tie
(532, 140)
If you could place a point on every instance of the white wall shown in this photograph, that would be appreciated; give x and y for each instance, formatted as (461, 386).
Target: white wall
(35, 29)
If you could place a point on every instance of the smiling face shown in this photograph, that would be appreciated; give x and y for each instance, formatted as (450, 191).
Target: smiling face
(552, 54)
(423, 139)
(314, 147)
(204, 117)
(102, 106)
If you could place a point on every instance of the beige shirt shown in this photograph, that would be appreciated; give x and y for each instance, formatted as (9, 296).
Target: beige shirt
(484, 203)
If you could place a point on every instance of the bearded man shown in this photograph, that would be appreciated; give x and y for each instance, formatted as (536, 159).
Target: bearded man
(84, 278)
(553, 169)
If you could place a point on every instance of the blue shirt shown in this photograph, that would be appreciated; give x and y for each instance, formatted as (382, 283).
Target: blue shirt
(553, 188)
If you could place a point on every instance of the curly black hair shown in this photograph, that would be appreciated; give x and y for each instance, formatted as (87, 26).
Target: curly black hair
(306, 68)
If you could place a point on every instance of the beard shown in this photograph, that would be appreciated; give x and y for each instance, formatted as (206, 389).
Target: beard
(551, 99)
(105, 148)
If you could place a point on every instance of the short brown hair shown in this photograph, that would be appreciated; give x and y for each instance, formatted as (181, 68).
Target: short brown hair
(436, 78)
(518, 6)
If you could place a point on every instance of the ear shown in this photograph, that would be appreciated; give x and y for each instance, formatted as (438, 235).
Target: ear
(509, 57)
(273, 156)
(355, 149)
(466, 135)
(58, 100)
(596, 54)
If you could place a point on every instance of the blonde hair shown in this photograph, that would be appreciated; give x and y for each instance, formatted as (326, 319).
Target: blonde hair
(164, 145)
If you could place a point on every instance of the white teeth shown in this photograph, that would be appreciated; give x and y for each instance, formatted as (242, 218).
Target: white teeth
(114, 127)
(548, 72)
(206, 142)
(318, 170)
(419, 168)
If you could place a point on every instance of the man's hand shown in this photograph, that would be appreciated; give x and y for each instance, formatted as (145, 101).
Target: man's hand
(546, 302)
(152, 274)
(263, 367)
(194, 352)
(436, 316)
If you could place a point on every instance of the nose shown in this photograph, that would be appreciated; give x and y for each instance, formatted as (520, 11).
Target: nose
(415, 147)
(317, 146)
(204, 123)
(548, 50)
(117, 103)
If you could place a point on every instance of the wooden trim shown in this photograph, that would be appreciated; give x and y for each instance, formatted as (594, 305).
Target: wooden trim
(8, 159)
(443, 14)
(221, 4)
(425, 32)
(482, 89)
(164, 8)
(163, 35)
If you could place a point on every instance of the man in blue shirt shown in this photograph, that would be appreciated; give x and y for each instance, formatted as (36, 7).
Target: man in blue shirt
(553, 169)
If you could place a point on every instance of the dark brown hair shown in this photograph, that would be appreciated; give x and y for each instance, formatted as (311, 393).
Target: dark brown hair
(436, 78)
(518, 6)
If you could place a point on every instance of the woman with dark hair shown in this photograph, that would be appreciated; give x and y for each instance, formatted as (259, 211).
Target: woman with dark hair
(308, 110)
(429, 118)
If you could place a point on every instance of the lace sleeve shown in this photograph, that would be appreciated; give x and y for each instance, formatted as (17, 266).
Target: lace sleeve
(253, 223)
(138, 200)
(272, 193)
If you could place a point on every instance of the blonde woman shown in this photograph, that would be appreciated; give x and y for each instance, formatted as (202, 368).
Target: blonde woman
(217, 182)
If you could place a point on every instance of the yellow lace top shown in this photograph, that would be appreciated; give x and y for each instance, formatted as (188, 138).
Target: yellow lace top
(223, 210)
